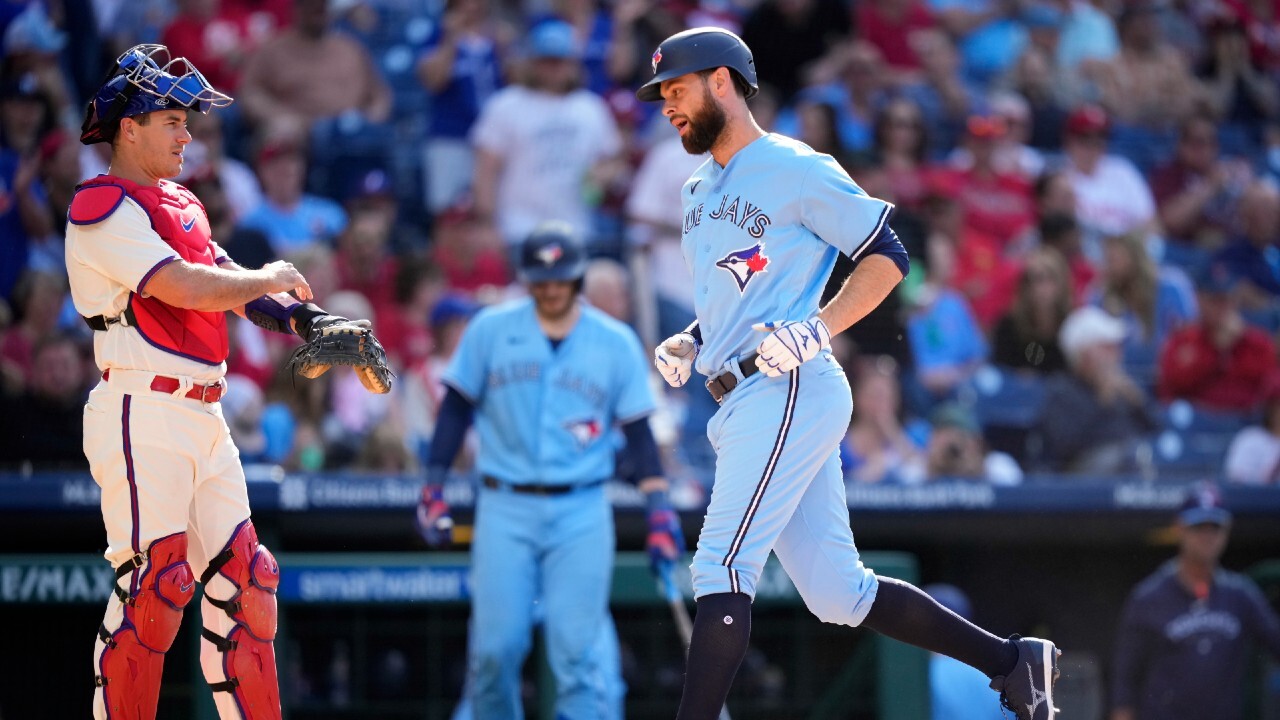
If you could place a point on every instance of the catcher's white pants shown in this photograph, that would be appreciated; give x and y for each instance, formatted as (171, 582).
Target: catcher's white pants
(165, 465)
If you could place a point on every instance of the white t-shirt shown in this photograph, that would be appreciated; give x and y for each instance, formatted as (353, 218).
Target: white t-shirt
(1114, 199)
(655, 198)
(548, 143)
(106, 261)
(1253, 457)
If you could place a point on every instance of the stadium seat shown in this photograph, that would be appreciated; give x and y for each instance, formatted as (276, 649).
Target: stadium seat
(1194, 441)
(1007, 405)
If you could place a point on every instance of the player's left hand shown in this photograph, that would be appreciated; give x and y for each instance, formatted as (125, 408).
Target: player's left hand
(790, 344)
(434, 522)
(665, 542)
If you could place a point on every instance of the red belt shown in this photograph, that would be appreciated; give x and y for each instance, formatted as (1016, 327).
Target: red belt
(167, 385)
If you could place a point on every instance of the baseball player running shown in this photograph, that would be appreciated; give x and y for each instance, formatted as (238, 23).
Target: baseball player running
(546, 379)
(148, 278)
(763, 221)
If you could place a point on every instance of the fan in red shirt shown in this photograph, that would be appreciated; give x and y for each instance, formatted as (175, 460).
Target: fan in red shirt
(1219, 362)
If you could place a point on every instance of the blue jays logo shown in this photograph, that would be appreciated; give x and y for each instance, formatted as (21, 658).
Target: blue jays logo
(550, 254)
(744, 264)
(188, 225)
(584, 431)
(657, 58)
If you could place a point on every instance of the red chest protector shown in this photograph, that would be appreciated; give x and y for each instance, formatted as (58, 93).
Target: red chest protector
(180, 220)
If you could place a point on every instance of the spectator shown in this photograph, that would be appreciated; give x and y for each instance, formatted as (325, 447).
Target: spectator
(206, 155)
(1153, 301)
(1111, 195)
(219, 37)
(956, 450)
(472, 261)
(818, 124)
(989, 33)
(461, 67)
(902, 145)
(1191, 630)
(606, 286)
(997, 202)
(37, 302)
(1196, 193)
(945, 95)
(364, 260)
(250, 245)
(539, 145)
(1027, 336)
(1239, 93)
(957, 691)
(422, 392)
(893, 27)
(593, 29)
(1036, 78)
(1253, 458)
(407, 337)
(877, 448)
(242, 408)
(946, 341)
(1219, 362)
(1011, 154)
(788, 36)
(1095, 416)
(24, 211)
(42, 425)
(291, 219)
(1251, 254)
(1147, 87)
(311, 72)
(1061, 232)
(638, 27)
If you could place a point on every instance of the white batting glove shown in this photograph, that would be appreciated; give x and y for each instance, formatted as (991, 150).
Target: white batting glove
(674, 358)
(789, 344)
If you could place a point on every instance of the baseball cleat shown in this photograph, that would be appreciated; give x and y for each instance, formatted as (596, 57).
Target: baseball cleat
(1028, 689)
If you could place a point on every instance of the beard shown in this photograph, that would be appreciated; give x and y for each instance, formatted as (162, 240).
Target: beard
(705, 127)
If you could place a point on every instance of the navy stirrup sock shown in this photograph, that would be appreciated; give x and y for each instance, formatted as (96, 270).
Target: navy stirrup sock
(721, 630)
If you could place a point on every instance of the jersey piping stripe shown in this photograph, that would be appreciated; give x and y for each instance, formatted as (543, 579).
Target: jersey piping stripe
(133, 486)
(884, 217)
(769, 467)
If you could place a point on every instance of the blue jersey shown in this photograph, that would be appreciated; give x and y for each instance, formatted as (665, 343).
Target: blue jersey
(761, 235)
(545, 415)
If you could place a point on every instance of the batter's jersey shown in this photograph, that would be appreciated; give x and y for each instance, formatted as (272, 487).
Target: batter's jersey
(108, 260)
(761, 235)
(544, 415)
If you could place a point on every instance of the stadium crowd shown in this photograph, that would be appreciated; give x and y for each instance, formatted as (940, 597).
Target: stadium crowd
(1090, 192)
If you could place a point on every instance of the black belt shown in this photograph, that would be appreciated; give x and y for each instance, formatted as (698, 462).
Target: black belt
(102, 322)
(494, 483)
(725, 382)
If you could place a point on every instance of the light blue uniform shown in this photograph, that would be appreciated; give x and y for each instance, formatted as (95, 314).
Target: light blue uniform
(761, 237)
(544, 416)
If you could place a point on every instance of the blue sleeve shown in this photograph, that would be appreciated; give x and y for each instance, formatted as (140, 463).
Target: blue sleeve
(888, 245)
(451, 429)
(468, 368)
(634, 398)
(641, 451)
(835, 209)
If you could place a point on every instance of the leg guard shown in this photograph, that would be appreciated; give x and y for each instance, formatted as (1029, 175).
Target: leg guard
(131, 659)
(240, 660)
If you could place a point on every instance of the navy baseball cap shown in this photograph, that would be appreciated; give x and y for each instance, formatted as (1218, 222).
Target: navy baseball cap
(1204, 505)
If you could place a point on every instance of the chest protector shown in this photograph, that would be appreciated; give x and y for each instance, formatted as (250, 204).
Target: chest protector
(179, 219)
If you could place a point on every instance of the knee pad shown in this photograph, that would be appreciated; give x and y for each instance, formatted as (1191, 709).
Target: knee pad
(132, 658)
(248, 656)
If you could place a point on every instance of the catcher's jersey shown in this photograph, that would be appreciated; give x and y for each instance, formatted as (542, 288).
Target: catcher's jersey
(545, 415)
(761, 235)
(110, 259)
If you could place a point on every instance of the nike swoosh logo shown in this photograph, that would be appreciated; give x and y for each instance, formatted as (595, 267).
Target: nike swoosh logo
(694, 189)
(184, 588)
(188, 224)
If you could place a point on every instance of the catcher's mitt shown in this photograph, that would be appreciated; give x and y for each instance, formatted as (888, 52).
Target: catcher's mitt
(336, 340)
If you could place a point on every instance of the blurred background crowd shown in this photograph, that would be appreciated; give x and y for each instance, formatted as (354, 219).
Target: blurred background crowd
(1088, 190)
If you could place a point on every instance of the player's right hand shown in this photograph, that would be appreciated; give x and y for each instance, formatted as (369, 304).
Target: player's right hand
(283, 277)
(674, 358)
(435, 525)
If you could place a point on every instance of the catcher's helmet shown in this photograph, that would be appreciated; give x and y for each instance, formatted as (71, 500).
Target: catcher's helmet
(552, 252)
(145, 79)
(704, 48)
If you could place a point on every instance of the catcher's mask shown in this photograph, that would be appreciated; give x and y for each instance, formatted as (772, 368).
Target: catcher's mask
(145, 79)
(552, 252)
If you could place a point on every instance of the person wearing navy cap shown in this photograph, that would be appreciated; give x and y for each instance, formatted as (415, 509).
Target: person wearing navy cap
(1184, 641)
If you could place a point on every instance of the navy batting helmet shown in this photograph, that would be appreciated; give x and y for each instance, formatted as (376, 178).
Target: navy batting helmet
(552, 252)
(704, 48)
(146, 79)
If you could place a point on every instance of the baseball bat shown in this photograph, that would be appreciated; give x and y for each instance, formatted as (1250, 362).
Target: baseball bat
(680, 614)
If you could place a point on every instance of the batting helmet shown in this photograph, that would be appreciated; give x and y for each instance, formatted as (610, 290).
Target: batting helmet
(704, 48)
(552, 252)
(145, 79)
